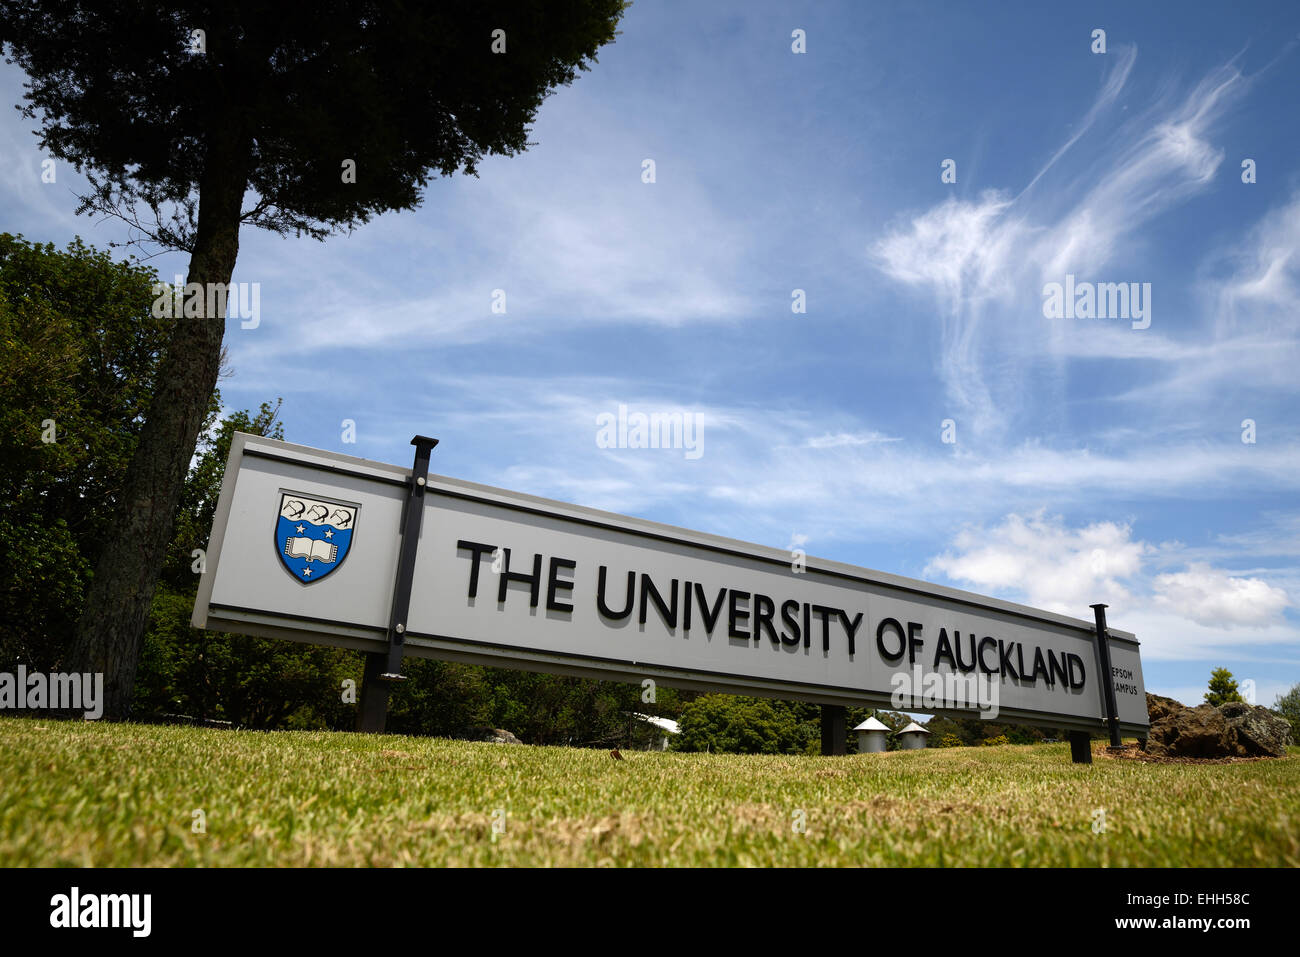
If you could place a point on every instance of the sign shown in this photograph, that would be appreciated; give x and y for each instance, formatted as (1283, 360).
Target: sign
(305, 546)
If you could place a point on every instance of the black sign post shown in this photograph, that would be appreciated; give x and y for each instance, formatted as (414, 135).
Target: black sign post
(834, 738)
(384, 668)
(1107, 677)
(1081, 747)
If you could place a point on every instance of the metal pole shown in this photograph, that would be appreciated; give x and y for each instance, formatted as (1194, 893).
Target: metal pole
(372, 705)
(834, 740)
(1107, 678)
(1080, 747)
(384, 669)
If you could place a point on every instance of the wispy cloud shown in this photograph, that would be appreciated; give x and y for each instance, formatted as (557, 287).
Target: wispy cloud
(769, 468)
(829, 441)
(986, 260)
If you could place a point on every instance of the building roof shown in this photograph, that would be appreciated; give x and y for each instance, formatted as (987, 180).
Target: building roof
(914, 727)
(871, 724)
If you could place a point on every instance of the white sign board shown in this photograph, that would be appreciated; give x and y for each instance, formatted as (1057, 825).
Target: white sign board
(305, 546)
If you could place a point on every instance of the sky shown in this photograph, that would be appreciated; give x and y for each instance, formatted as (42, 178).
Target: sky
(916, 180)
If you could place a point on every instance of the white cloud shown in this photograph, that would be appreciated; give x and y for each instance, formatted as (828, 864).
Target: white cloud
(1167, 635)
(1201, 613)
(570, 243)
(1051, 566)
(1213, 597)
(959, 248)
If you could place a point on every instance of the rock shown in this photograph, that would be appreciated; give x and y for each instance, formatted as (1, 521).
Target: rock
(1159, 706)
(501, 736)
(1235, 729)
(1200, 732)
(1255, 731)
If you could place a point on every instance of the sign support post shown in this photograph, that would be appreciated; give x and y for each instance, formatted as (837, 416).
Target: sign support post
(833, 729)
(1107, 678)
(1081, 747)
(372, 703)
(384, 669)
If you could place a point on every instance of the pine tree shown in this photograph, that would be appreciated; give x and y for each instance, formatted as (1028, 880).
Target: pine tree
(191, 119)
(1223, 688)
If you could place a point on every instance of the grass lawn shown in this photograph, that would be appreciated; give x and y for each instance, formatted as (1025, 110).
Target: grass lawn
(98, 794)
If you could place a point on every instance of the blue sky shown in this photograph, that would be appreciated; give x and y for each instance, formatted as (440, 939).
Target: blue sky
(1092, 462)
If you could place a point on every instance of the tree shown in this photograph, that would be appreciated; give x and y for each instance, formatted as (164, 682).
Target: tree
(198, 501)
(895, 721)
(1288, 706)
(262, 683)
(744, 725)
(945, 729)
(177, 110)
(79, 355)
(1223, 688)
(250, 682)
(556, 709)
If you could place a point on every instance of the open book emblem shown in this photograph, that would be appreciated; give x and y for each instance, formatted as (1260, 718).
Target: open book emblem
(312, 537)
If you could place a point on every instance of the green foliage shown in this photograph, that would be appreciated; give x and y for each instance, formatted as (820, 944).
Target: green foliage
(1223, 688)
(765, 726)
(213, 676)
(554, 709)
(894, 720)
(198, 503)
(455, 700)
(175, 113)
(1022, 734)
(941, 728)
(80, 350)
(974, 731)
(406, 91)
(742, 725)
(443, 698)
(251, 682)
(1288, 706)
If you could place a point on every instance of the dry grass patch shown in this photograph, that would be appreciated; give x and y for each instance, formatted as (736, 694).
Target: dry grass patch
(125, 795)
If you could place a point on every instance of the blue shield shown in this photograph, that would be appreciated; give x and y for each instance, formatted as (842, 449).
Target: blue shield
(313, 536)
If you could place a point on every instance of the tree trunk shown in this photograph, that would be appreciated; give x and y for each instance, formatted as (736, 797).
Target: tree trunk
(110, 633)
